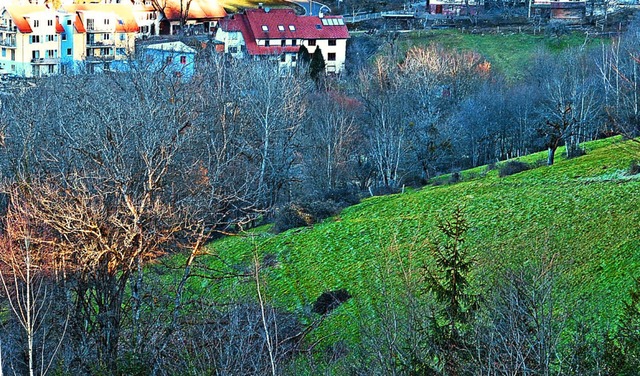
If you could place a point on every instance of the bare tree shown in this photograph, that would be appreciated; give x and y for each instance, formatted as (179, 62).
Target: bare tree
(272, 105)
(27, 270)
(117, 184)
(525, 325)
(331, 137)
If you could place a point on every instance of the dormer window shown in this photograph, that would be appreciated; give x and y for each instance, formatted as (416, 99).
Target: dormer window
(292, 28)
(265, 28)
(281, 27)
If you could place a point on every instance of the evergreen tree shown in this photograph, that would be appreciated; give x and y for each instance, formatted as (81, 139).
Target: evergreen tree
(317, 65)
(447, 279)
(622, 353)
(304, 56)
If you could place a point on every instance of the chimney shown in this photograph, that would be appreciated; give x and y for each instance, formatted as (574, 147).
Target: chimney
(259, 5)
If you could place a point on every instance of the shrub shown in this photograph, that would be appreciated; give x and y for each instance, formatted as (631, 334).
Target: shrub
(575, 152)
(342, 196)
(384, 190)
(330, 300)
(512, 167)
(634, 168)
(455, 177)
(291, 216)
(297, 215)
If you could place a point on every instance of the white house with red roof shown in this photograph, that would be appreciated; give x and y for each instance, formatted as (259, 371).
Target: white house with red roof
(279, 33)
(29, 40)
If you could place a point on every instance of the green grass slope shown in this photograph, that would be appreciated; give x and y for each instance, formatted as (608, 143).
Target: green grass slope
(509, 53)
(583, 213)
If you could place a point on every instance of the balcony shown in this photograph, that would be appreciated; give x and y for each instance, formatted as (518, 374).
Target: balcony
(8, 42)
(100, 28)
(99, 59)
(8, 29)
(101, 43)
(45, 60)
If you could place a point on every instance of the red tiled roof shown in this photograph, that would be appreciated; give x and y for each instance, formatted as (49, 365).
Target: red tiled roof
(281, 24)
(198, 10)
(59, 27)
(79, 26)
(279, 20)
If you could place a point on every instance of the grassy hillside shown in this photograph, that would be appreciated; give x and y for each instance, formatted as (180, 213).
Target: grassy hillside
(583, 213)
(509, 52)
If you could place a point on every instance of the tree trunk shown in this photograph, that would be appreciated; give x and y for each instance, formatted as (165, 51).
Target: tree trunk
(551, 156)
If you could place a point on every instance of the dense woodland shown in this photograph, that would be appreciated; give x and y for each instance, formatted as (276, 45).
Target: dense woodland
(103, 175)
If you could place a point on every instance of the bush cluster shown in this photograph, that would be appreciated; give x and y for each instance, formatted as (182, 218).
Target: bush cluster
(513, 167)
(313, 210)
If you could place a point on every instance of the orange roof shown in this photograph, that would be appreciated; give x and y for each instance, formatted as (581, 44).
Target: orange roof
(77, 23)
(126, 21)
(20, 13)
(59, 27)
(198, 10)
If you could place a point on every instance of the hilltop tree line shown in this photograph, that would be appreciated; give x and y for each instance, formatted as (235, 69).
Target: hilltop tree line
(103, 174)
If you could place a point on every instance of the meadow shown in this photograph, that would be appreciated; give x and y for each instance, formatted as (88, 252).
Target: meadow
(580, 216)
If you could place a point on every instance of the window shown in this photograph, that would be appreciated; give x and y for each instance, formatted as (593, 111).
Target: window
(331, 56)
(281, 27)
(49, 22)
(68, 51)
(106, 21)
(332, 42)
(13, 56)
(52, 69)
(106, 36)
(312, 42)
(64, 36)
(233, 50)
(266, 43)
(283, 43)
(183, 59)
(292, 28)
(51, 38)
(294, 42)
(293, 58)
(36, 23)
(34, 39)
(122, 37)
(169, 59)
(35, 54)
(68, 22)
(283, 58)
(265, 28)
